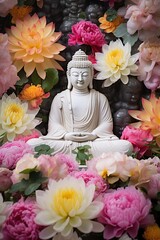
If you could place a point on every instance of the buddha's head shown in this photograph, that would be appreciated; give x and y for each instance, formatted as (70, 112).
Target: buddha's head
(80, 71)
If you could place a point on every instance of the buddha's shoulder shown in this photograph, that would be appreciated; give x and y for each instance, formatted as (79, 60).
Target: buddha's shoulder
(99, 94)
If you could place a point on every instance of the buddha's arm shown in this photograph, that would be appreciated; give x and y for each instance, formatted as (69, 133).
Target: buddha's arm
(80, 136)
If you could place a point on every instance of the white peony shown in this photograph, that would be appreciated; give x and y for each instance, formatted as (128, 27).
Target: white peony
(15, 117)
(68, 204)
(115, 62)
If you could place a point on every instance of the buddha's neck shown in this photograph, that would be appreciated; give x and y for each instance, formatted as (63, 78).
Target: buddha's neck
(80, 91)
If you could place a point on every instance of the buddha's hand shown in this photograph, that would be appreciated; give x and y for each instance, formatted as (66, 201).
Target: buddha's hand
(80, 136)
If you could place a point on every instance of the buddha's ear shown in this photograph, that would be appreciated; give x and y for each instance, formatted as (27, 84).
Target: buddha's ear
(91, 83)
(69, 86)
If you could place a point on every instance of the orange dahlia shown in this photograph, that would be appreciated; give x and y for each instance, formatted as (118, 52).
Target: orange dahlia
(33, 94)
(19, 12)
(32, 44)
(152, 232)
(109, 26)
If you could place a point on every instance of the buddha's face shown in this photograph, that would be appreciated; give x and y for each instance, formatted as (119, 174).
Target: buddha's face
(80, 78)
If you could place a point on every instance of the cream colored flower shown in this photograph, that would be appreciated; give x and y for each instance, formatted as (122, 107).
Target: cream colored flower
(115, 62)
(68, 204)
(32, 44)
(15, 117)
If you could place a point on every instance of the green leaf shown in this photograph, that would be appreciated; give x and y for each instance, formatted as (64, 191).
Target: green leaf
(158, 195)
(111, 14)
(19, 187)
(82, 15)
(51, 79)
(130, 38)
(35, 78)
(121, 30)
(28, 170)
(42, 147)
(31, 188)
(81, 156)
(157, 208)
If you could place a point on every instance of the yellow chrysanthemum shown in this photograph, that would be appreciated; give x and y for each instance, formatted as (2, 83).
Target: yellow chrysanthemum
(15, 117)
(32, 44)
(19, 12)
(150, 115)
(152, 232)
(109, 26)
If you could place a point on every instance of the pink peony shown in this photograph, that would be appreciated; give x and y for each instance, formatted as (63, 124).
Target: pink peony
(11, 152)
(149, 64)
(139, 139)
(144, 17)
(20, 223)
(5, 179)
(88, 33)
(35, 134)
(8, 72)
(6, 5)
(125, 210)
(92, 178)
(153, 186)
(57, 166)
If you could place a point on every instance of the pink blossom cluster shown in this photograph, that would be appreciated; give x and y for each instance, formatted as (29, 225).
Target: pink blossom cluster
(6, 5)
(8, 72)
(139, 139)
(12, 152)
(144, 17)
(87, 33)
(20, 223)
(125, 210)
(149, 63)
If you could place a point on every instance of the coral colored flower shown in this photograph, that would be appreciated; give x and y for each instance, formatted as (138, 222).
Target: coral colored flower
(144, 18)
(5, 179)
(109, 26)
(5, 6)
(88, 33)
(67, 204)
(150, 115)
(114, 166)
(152, 232)
(32, 44)
(57, 166)
(34, 134)
(8, 72)
(15, 117)
(11, 152)
(139, 139)
(20, 223)
(91, 177)
(33, 94)
(115, 62)
(125, 210)
(19, 12)
(28, 161)
(149, 64)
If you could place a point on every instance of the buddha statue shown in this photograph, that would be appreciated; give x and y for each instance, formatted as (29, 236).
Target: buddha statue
(81, 115)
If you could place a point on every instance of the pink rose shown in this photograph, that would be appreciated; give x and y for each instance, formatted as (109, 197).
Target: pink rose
(8, 72)
(6, 5)
(11, 152)
(35, 134)
(153, 186)
(125, 210)
(20, 223)
(139, 139)
(5, 179)
(88, 33)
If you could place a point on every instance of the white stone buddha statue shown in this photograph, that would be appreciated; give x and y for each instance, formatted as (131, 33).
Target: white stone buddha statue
(81, 115)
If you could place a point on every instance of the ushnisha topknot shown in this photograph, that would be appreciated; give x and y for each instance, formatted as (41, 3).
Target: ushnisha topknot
(80, 60)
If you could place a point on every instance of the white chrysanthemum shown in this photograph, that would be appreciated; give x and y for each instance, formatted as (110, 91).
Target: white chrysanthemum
(15, 117)
(115, 62)
(67, 204)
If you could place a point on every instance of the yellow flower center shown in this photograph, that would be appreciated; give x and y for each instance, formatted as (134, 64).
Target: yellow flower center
(14, 113)
(31, 92)
(66, 200)
(152, 232)
(113, 58)
(104, 173)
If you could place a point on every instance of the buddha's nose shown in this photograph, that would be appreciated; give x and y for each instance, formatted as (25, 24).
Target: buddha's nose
(80, 77)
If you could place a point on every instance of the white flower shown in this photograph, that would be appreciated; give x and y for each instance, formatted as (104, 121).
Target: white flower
(125, 237)
(68, 204)
(115, 62)
(15, 117)
(73, 236)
